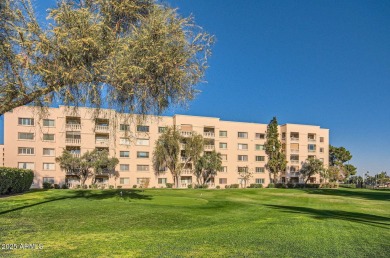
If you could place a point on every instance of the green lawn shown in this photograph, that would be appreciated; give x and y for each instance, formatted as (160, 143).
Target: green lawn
(198, 223)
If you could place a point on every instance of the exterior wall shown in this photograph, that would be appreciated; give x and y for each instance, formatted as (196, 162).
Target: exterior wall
(2, 157)
(92, 136)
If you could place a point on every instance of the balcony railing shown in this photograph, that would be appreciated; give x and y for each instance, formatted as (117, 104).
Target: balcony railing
(311, 139)
(311, 150)
(294, 150)
(186, 171)
(185, 133)
(102, 141)
(72, 141)
(294, 161)
(209, 147)
(101, 128)
(294, 174)
(76, 155)
(209, 134)
(294, 139)
(73, 126)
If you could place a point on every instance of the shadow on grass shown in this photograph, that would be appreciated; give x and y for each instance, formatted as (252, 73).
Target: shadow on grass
(368, 219)
(126, 195)
(354, 193)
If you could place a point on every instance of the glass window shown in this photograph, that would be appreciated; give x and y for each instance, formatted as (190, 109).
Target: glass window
(260, 158)
(223, 181)
(48, 137)
(224, 169)
(141, 180)
(162, 181)
(48, 122)
(259, 180)
(142, 142)
(124, 141)
(142, 128)
(48, 180)
(311, 147)
(242, 146)
(124, 127)
(242, 169)
(48, 152)
(242, 157)
(25, 136)
(26, 165)
(259, 170)
(224, 157)
(124, 180)
(142, 167)
(142, 154)
(321, 139)
(322, 150)
(161, 129)
(259, 147)
(222, 133)
(242, 135)
(124, 167)
(25, 151)
(259, 136)
(48, 166)
(223, 145)
(26, 121)
(124, 154)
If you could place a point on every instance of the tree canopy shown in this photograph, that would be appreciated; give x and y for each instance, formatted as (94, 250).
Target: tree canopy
(137, 55)
(311, 167)
(207, 167)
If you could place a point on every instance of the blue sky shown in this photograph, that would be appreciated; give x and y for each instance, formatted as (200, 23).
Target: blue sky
(311, 62)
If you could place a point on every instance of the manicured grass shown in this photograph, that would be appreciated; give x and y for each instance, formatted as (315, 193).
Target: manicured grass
(198, 223)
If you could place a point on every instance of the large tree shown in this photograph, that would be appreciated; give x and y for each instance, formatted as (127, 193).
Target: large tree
(207, 167)
(138, 55)
(276, 159)
(311, 167)
(168, 152)
(338, 157)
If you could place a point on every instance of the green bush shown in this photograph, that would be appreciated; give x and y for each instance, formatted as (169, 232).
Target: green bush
(204, 186)
(57, 186)
(234, 186)
(169, 185)
(119, 187)
(218, 187)
(134, 186)
(329, 185)
(227, 186)
(64, 186)
(189, 186)
(15, 180)
(111, 187)
(46, 185)
(280, 185)
(347, 185)
(271, 185)
(255, 186)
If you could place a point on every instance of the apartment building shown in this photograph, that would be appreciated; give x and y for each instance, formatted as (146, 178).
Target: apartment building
(33, 141)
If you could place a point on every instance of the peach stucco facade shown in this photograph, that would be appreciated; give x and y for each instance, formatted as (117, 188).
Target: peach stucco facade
(33, 141)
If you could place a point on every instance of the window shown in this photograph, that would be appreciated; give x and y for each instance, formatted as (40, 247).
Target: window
(259, 147)
(223, 181)
(242, 135)
(224, 169)
(259, 158)
(222, 133)
(48, 137)
(223, 145)
(48, 152)
(321, 150)
(48, 122)
(48, 180)
(311, 147)
(161, 129)
(321, 139)
(311, 137)
(142, 154)
(124, 154)
(49, 166)
(242, 169)
(242, 157)
(259, 180)
(294, 157)
(26, 165)
(162, 181)
(142, 180)
(124, 127)
(26, 121)
(142, 142)
(124, 141)
(124, 167)
(142, 128)
(242, 146)
(25, 136)
(224, 157)
(142, 168)
(25, 151)
(124, 180)
(259, 136)
(259, 170)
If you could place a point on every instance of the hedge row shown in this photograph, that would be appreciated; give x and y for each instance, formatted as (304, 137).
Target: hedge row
(15, 180)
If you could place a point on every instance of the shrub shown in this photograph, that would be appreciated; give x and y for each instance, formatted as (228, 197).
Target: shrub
(86, 187)
(234, 186)
(227, 186)
(64, 186)
(15, 180)
(255, 186)
(218, 187)
(134, 186)
(204, 186)
(189, 186)
(271, 185)
(119, 187)
(169, 185)
(279, 185)
(78, 186)
(111, 187)
(46, 185)
(329, 185)
(347, 185)
(56, 186)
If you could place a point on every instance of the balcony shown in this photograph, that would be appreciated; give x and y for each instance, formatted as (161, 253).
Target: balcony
(186, 133)
(294, 174)
(102, 128)
(294, 161)
(76, 155)
(296, 151)
(208, 134)
(294, 139)
(72, 141)
(309, 150)
(102, 142)
(73, 127)
(209, 147)
(186, 171)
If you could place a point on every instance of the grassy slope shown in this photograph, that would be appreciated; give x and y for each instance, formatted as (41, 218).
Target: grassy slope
(199, 223)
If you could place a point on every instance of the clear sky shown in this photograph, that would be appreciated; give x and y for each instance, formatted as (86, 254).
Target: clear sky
(319, 62)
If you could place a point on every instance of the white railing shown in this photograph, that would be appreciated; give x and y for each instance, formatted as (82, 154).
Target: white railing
(311, 150)
(294, 139)
(209, 147)
(294, 174)
(76, 155)
(311, 139)
(294, 161)
(294, 150)
(101, 128)
(185, 133)
(209, 134)
(72, 141)
(102, 141)
(73, 126)
(186, 171)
